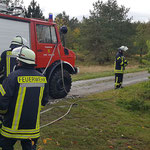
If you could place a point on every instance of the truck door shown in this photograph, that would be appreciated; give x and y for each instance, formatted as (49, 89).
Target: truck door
(46, 41)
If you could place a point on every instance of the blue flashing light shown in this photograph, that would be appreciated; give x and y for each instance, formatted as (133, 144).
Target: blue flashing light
(50, 16)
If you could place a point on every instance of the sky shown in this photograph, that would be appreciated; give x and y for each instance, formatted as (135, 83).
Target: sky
(139, 9)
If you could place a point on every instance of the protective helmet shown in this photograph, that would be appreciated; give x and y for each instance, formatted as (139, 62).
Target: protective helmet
(24, 54)
(123, 48)
(18, 40)
(16, 51)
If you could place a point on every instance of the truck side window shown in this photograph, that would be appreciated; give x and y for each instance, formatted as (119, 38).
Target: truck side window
(53, 34)
(46, 34)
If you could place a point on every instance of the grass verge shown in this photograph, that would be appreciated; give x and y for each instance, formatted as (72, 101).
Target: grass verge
(91, 72)
(116, 119)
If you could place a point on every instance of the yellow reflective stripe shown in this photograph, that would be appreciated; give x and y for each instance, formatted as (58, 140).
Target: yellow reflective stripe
(2, 90)
(9, 53)
(118, 71)
(31, 79)
(8, 56)
(122, 68)
(40, 99)
(121, 61)
(18, 109)
(7, 66)
(20, 136)
(27, 131)
(116, 83)
(118, 58)
(116, 79)
(126, 63)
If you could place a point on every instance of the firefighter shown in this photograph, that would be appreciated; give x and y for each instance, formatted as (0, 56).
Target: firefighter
(120, 64)
(22, 95)
(8, 61)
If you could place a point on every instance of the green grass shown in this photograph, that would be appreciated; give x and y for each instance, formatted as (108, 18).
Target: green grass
(100, 122)
(86, 76)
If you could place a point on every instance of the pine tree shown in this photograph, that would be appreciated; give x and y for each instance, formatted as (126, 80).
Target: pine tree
(107, 28)
(34, 11)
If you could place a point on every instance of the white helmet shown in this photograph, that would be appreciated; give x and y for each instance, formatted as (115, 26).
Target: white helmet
(24, 54)
(18, 40)
(123, 48)
(16, 51)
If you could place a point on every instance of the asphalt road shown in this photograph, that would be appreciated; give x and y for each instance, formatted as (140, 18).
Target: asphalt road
(86, 87)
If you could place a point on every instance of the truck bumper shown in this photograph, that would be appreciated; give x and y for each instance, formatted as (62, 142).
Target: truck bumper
(76, 70)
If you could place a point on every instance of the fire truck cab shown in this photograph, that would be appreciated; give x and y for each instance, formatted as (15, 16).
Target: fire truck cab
(56, 62)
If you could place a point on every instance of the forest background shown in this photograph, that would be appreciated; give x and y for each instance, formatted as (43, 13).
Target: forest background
(95, 39)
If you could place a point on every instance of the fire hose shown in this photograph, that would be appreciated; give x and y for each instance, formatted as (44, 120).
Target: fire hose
(68, 111)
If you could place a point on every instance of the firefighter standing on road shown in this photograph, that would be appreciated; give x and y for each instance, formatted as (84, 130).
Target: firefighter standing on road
(8, 61)
(22, 94)
(120, 64)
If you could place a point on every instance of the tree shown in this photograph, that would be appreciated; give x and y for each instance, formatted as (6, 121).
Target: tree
(34, 11)
(142, 42)
(142, 36)
(62, 19)
(73, 29)
(106, 29)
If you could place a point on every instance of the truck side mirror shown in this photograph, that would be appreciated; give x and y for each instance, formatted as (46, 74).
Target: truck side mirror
(63, 29)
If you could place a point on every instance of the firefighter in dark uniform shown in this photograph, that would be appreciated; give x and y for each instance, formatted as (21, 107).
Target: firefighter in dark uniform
(119, 67)
(8, 61)
(22, 95)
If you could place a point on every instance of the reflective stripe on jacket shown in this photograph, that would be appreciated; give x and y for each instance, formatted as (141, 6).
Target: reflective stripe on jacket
(120, 63)
(10, 62)
(24, 94)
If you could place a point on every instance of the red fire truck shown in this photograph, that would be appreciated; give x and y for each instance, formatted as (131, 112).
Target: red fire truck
(56, 62)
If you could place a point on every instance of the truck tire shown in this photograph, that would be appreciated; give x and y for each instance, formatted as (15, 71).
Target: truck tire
(56, 88)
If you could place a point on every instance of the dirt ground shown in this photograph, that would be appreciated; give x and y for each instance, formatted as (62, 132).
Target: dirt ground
(86, 87)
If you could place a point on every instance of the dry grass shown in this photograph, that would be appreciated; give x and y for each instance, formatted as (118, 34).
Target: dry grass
(92, 69)
(97, 71)
(89, 69)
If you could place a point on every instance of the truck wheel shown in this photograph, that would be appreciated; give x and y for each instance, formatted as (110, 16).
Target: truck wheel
(56, 88)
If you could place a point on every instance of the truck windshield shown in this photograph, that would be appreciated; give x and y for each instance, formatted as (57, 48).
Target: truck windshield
(46, 34)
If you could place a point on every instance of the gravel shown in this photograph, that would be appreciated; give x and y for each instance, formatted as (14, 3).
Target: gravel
(87, 87)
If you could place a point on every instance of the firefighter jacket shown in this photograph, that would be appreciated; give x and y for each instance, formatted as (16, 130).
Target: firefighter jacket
(120, 63)
(21, 96)
(8, 61)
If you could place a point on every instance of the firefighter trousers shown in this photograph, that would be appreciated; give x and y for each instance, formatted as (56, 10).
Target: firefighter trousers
(8, 143)
(118, 80)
